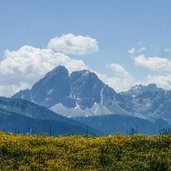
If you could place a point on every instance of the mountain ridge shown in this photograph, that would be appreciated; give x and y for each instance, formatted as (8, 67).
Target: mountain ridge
(112, 124)
(83, 94)
(21, 116)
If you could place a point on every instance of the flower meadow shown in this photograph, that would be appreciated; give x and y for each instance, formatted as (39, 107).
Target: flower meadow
(78, 153)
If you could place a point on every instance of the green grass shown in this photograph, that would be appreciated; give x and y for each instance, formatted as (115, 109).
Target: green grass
(72, 153)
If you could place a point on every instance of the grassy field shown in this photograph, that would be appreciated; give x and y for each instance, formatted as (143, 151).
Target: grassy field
(72, 153)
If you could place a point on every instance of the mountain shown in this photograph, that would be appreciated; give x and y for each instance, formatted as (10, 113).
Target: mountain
(140, 89)
(17, 115)
(148, 102)
(111, 124)
(81, 93)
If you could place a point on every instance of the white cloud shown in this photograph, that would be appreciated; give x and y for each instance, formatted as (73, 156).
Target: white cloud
(20, 69)
(122, 79)
(120, 70)
(161, 68)
(133, 51)
(72, 44)
(153, 63)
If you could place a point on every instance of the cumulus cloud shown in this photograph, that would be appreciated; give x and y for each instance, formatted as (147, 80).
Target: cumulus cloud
(20, 69)
(153, 63)
(122, 80)
(133, 51)
(119, 70)
(161, 68)
(74, 45)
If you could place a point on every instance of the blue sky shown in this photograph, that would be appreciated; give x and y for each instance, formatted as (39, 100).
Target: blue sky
(117, 26)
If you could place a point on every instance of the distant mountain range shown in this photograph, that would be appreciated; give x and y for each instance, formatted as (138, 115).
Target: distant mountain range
(83, 95)
(148, 102)
(21, 116)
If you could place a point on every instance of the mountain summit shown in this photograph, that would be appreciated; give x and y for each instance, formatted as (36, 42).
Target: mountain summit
(81, 93)
(140, 89)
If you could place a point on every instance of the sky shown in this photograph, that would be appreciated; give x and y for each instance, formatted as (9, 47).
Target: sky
(124, 42)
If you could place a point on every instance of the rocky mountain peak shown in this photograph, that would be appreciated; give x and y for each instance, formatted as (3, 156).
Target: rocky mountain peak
(139, 89)
(58, 70)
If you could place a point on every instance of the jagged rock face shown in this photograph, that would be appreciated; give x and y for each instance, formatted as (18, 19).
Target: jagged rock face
(149, 102)
(86, 85)
(140, 89)
(47, 91)
(80, 94)
(54, 86)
